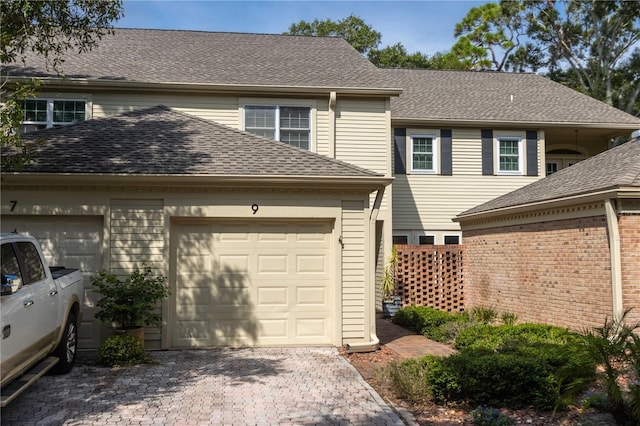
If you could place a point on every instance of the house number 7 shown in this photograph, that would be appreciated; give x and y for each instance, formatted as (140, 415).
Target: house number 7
(13, 204)
(255, 208)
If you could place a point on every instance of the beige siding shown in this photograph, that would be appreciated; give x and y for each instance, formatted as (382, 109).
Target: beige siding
(222, 109)
(321, 141)
(362, 133)
(353, 274)
(430, 202)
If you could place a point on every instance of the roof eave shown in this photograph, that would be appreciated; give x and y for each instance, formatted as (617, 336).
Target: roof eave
(536, 124)
(171, 86)
(195, 180)
(612, 193)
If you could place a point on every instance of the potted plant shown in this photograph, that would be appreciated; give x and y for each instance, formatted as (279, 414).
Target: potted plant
(130, 304)
(391, 302)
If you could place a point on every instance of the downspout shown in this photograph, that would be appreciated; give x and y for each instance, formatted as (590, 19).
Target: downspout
(369, 291)
(332, 124)
(614, 253)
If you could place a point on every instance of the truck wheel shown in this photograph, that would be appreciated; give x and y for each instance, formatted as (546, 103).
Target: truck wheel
(67, 348)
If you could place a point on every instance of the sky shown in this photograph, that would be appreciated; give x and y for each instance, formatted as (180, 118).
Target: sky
(426, 26)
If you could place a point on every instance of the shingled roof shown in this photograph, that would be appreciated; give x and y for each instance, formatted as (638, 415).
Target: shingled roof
(616, 168)
(486, 97)
(161, 141)
(198, 57)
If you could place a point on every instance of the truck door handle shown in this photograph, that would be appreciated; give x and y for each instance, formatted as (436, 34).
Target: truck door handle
(6, 331)
(28, 303)
(53, 292)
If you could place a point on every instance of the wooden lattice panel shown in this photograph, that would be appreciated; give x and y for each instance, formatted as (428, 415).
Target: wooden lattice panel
(431, 276)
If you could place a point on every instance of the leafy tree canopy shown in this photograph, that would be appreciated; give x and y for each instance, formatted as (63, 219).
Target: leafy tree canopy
(589, 45)
(47, 28)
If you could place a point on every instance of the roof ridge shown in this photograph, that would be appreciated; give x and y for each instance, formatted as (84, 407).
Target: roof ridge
(224, 32)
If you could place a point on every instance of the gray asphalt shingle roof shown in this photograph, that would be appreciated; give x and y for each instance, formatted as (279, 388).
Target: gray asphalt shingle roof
(163, 56)
(487, 97)
(161, 141)
(616, 168)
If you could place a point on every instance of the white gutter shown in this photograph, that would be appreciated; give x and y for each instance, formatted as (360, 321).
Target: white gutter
(496, 124)
(369, 291)
(614, 252)
(206, 87)
(192, 180)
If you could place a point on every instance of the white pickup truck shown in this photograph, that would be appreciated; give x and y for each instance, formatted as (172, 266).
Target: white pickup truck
(40, 313)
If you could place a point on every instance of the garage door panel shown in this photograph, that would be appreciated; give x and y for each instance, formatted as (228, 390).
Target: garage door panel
(74, 242)
(272, 283)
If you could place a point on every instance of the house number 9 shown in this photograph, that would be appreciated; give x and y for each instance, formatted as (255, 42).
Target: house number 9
(255, 208)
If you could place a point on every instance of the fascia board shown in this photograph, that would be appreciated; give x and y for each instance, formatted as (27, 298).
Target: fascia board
(196, 181)
(407, 122)
(622, 192)
(51, 82)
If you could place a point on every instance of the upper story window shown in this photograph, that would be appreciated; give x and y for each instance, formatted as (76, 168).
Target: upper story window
(510, 155)
(45, 113)
(423, 153)
(289, 124)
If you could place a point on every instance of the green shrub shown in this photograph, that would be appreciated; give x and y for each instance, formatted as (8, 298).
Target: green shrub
(494, 337)
(121, 350)
(425, 320)
(482, 315)
(407, 378)
(482, 376)
(485, 416)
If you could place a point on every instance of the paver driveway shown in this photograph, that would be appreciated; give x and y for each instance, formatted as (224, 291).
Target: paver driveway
(264, 386)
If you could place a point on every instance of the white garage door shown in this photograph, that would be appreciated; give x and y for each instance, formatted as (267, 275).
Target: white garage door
(252, 284)
(74, 242)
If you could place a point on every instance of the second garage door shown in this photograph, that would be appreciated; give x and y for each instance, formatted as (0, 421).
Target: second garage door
(252, 284)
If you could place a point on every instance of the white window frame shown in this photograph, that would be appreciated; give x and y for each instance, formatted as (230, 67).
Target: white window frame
(277, 104)
(452, 235)
(520, 141)
(436, 159)
(50, 101)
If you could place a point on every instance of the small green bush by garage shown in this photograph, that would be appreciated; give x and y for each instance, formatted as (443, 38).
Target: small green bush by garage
(121, 350)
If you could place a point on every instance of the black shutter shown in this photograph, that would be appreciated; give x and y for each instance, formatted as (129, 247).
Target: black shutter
(487, 151)
(400, 151)
(446, 142)
(532, 153)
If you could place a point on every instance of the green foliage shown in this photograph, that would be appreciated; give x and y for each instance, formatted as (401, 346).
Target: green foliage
(15, 153)
(131, 302)
(121, 350)
(486, 416)
(509, 379)
(494, 337)
(49, 28)
(396, 56)
(509, 318)
(615, 348)
(482, 315)
(425, 320)
(353, 29)
(407, 378)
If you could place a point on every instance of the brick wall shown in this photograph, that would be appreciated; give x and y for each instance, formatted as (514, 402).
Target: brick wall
(629, 225)
(553, 272)
(431, 275)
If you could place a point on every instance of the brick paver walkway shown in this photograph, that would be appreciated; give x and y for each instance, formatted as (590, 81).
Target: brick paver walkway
(267, 386)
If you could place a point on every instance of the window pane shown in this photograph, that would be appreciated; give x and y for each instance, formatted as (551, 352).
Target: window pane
(35, 110)
(422, 153)
(66, 112)
(400, 239)
(509, 155)
(451, 239)
(10, 268)
(426, 239)
(294, 118)
(32, 262)
(260, 117)
(299, 138)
